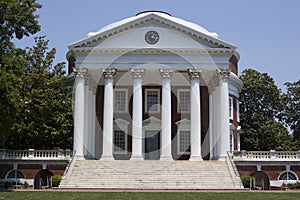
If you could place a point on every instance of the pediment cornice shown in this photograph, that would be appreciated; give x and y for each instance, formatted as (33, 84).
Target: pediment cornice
(156, 20)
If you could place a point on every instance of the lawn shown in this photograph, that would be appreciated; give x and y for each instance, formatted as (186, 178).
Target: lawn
(149, 195)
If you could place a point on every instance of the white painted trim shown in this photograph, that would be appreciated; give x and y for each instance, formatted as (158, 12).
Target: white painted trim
(231, 107)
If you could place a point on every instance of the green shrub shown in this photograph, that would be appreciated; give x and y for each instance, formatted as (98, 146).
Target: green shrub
(246, 181)
(293, 185)
(56, 180)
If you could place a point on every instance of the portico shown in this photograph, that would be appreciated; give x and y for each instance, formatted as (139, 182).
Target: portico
(140, 98)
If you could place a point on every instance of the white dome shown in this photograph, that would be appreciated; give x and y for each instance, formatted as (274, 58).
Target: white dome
(158, 13)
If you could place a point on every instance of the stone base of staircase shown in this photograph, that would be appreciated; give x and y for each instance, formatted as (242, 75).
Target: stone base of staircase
(149, 175)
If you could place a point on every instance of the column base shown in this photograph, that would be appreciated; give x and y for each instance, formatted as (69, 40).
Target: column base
(107, 158)
(136, 158)
(195, 158)
(79, 157)
(222, 158)
(165, 158)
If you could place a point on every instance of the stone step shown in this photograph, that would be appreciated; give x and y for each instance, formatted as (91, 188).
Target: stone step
(149, 175)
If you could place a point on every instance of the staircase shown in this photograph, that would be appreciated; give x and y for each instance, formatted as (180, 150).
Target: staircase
(96, 174)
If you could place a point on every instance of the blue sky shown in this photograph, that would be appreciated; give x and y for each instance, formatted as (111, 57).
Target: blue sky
(266, 32)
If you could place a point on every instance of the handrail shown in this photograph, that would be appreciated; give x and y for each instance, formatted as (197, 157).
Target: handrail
(267, 155)
(33, 154)
(233, 168)
(70, 165)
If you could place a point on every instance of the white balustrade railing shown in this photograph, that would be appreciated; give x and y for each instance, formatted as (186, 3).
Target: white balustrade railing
(33, 154)
(266, 155)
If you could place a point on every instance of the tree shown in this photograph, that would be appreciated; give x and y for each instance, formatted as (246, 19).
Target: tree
(292, 109)
(261, 112)
(17, 19)
(45, 119)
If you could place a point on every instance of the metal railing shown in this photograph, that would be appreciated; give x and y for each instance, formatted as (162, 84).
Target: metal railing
(68, 170)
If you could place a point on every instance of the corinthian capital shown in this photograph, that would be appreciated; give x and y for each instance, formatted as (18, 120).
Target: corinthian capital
(80, 72)
(137, 73)
(224, 73)
(109, 73)
(195, 73)
(166, 73)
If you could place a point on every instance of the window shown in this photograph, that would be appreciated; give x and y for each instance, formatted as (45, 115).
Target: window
(152, 100)
(183, 101)
(184, 142)
(15, 174)
(120, 100)
(288, 176)
(119, 141)
(238, 110)
(231, 107)
(120, 136)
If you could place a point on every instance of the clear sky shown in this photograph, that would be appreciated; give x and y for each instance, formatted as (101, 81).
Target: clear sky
(266, 32)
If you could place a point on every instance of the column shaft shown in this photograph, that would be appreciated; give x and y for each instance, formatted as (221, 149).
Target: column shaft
(166, 115)
(195, 115)
(79, 113)
(224, 114)
(108, 113)
(137, 117)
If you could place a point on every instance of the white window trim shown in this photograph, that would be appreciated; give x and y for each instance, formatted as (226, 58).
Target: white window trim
(146, 100)
(126, 100)
(178, 100)
(232, 128)
(122, 125)
(238, 110)
(182, 125)
(289, 171)
(231, 108)
(17, 170)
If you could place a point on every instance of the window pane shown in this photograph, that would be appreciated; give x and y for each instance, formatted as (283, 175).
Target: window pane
(119, 141)
(120, 101)
(152, 101)
(15, 174)
(184, 141)
(184, 101)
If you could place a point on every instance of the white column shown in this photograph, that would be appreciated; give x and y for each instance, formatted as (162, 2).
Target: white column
(195, 75)
(86, 141)
(166, 115)
(137, 115)
(108, 114)
(79, 112)
(211, 126)
(93, 119)
(217, 123)
(224, 113)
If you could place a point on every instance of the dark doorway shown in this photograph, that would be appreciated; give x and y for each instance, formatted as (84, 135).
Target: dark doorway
(42, 179)
(152, 145)
(262, 180)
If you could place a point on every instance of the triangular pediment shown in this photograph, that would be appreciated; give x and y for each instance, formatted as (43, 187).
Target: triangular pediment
(154, 19)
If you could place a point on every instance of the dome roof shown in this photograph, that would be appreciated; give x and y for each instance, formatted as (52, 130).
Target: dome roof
(161, 14)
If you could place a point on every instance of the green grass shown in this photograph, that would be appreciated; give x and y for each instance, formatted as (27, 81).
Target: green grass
(149, 195)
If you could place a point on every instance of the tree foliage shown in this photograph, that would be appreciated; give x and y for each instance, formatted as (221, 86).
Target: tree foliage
(17, 19)
(261, 113)
(45, 117)
(292, 109)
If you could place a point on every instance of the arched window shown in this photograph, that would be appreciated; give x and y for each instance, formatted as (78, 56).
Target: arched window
(15, 174)
(288, 176)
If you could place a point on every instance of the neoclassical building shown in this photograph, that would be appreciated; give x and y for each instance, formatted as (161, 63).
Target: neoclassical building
(154, 87)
